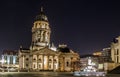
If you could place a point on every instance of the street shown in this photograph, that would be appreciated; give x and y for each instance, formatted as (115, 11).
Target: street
(45, 74)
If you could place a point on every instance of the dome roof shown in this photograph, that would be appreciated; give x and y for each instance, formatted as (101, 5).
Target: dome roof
(41, 16)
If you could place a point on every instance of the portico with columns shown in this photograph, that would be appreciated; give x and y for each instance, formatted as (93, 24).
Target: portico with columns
(45, 60)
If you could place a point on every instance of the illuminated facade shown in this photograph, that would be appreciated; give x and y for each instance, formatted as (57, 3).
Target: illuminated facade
(115, 51)
(9, 60)
(99, 53)
(100, 62)
(41, 56)
(89, 63)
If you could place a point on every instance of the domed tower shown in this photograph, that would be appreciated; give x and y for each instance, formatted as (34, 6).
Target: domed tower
(41, 31)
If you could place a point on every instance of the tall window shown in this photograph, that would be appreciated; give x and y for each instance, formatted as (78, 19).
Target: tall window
(36, 25)
(50, 66)
(34, 65)
(40, 60)
(117, 51)
(67, 64)
(117, 59)
(39, 65)
(26, 65)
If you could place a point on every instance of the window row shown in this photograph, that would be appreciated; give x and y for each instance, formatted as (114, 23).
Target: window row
(39, 25)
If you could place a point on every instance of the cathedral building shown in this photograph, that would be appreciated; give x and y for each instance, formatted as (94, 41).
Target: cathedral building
(40, 56)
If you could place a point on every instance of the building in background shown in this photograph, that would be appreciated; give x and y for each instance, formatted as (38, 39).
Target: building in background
(97, 53)
(115, 51)
(106, 53)
(108, 63)
(89, 63)
(96, 63)
(104, 59)
(9, 61)
(42, 56)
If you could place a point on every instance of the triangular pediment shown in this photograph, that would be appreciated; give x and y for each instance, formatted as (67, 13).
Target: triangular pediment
(45, 51)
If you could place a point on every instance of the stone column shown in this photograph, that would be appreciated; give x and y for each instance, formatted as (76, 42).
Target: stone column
(63, 63)
(45, 36)
(53, 62)
(30, 62)
(43, 62)
(71, 64)
(37, 62)
(48, 62)
(57, 63)
(41, 36)
(23, 61)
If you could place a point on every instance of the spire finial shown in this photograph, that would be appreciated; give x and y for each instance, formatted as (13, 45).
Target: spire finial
(41, 9)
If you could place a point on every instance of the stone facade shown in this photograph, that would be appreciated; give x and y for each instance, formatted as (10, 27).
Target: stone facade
(115, 50)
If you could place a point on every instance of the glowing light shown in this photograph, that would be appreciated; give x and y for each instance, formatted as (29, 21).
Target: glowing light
(14, 59)
(45, 60)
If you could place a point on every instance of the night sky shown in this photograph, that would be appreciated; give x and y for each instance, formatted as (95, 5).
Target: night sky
(84, 25)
